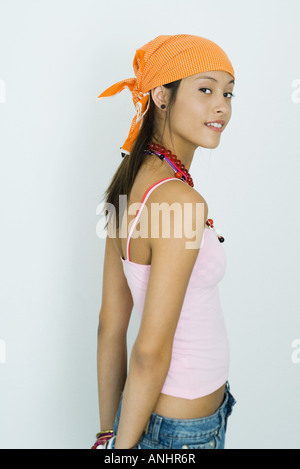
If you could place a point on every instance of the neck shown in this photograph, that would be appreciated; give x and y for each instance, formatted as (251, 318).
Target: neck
(183, 153)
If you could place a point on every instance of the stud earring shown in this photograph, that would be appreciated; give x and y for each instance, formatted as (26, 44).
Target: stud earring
(163, 106)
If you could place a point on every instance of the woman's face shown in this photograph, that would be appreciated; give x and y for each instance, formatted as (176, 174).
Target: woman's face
(202, 98)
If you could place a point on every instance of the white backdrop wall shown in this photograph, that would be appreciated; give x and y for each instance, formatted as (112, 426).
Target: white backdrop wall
(59, 149)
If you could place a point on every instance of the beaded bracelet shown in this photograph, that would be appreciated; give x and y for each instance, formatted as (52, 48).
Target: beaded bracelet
(103, 437)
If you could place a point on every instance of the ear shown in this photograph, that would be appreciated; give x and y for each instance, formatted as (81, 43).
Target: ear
(159, 96)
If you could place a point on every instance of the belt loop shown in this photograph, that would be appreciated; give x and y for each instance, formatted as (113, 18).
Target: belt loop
(147, 427)
(156, 428)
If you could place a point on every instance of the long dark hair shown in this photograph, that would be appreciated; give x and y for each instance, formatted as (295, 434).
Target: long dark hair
(124, 177)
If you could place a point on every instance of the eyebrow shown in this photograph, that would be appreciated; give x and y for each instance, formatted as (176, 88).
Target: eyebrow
(211, 78)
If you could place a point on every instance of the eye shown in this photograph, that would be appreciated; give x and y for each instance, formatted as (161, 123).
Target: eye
(207, 89)
(231, 95)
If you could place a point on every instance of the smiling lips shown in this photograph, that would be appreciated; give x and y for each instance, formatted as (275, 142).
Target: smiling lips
(217, 126)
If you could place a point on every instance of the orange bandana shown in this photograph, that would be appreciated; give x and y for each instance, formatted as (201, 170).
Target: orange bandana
(164, 60)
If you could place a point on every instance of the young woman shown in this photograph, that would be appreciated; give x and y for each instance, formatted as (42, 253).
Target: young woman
(176, 392)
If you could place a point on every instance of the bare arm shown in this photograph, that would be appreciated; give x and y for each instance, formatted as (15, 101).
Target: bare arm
(112, 373)
(171, 267)
(114, 318)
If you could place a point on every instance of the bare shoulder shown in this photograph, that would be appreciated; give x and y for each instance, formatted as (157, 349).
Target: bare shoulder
(177, 190)
(179, 203)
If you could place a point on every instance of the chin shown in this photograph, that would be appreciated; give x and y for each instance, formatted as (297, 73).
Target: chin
(211, 146)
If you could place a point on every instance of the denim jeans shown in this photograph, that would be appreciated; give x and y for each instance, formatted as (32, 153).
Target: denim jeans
(202, 433)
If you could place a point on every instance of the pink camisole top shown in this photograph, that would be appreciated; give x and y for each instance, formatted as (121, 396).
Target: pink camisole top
(200, 355)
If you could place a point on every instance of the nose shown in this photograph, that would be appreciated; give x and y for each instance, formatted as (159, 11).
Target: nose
(222, 106)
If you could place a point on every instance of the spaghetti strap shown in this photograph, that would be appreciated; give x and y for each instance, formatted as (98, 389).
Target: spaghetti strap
(143, 202)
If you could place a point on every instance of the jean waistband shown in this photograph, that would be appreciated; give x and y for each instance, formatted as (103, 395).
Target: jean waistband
(159, 424)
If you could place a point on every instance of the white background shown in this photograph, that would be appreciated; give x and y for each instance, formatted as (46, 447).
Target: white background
(59, 149)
